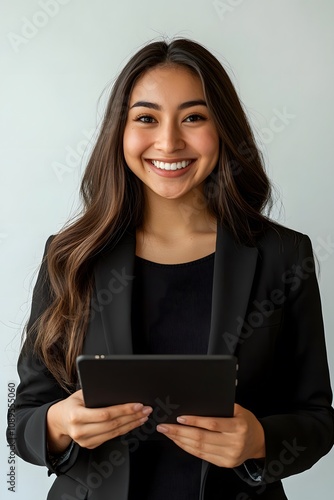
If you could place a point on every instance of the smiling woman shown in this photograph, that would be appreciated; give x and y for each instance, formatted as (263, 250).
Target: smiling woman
(175, 194)
(172, 150)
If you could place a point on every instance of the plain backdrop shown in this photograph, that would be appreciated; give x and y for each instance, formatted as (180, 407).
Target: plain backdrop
(58, 62)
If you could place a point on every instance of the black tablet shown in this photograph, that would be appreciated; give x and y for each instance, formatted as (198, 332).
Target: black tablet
(172, 384)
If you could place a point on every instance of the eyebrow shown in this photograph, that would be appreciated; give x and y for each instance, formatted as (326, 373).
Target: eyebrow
(184, 105)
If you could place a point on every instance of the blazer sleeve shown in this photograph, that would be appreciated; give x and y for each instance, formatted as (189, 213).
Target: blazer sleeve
(302, 431)
(37, 390)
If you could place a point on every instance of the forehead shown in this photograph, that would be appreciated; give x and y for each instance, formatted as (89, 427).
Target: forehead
(167, 83)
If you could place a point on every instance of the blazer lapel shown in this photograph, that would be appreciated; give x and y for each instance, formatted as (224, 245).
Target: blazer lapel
(234, 270)
(109, 330)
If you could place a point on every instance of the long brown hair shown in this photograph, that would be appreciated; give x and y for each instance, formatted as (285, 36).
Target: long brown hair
(236, 192)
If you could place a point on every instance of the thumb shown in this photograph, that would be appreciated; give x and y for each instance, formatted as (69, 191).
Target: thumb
(238, 410)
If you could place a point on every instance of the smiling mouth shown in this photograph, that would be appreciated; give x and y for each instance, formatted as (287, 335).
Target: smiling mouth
(171, 166)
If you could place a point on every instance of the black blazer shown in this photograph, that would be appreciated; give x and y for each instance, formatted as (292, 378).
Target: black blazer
(265, 309)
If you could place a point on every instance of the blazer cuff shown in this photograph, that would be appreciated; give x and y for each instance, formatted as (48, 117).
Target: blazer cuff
(36, 436)
(58, 460)
(251, 471)
(35, 449)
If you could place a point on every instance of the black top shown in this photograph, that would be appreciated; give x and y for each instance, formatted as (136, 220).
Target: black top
(171, 314)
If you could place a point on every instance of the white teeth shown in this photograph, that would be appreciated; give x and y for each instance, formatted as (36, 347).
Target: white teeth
(171, 166)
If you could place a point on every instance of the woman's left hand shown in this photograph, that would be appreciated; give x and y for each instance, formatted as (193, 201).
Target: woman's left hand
(225, 442)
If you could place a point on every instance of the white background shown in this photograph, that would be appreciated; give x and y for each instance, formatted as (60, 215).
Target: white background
(279, 54)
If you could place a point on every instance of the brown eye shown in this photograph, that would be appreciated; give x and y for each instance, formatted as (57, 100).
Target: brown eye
(195, 118)
(144, 119)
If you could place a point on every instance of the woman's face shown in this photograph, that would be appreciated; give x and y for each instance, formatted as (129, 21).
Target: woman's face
(170, 140)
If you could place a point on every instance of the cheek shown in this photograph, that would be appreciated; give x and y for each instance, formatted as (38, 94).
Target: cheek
(208, 144)
(134, 142)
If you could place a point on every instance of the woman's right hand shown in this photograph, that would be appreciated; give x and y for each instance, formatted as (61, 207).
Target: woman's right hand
(69, 420)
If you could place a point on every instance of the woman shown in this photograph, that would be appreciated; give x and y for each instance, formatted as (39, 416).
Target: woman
(173, 254)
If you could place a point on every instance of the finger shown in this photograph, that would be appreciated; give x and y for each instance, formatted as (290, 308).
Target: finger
(79, 415)
(194, 436)
(80, 432)
(213, 424)
(100, 428)
(204, 422)
(92, 436)
(221, 458)
(221, 445)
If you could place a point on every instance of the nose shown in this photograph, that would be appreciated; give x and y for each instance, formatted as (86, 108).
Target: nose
(169, 138)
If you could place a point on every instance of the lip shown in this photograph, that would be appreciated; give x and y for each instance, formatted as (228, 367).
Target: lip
(170, 160)
(171, 173)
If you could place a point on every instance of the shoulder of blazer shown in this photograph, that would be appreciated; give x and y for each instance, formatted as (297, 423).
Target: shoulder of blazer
(280, 239)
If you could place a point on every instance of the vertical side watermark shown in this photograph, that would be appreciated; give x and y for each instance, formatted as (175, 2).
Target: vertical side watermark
(11, 468)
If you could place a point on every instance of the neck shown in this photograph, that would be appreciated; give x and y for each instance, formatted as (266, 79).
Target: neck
(171, 219)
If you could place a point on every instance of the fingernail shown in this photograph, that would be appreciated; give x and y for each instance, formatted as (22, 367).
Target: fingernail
(181, 420)
(161, 428)
(147, 410)
(137, 406)
(143, 420)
